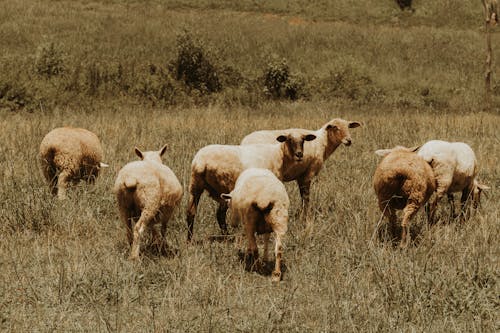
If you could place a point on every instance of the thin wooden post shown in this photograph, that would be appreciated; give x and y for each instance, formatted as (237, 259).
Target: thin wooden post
(491, 19)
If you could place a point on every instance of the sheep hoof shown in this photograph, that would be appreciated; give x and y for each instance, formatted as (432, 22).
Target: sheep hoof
(276, 277)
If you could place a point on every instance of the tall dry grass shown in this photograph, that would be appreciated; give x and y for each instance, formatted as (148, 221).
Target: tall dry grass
(64, 264)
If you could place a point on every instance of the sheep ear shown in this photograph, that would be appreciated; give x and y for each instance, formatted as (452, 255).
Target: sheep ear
(138, 152)
(383, 152)
(163, 150)
(483, 187)
(354, 124)
(281, 138)
(309, 137)
(226, 197)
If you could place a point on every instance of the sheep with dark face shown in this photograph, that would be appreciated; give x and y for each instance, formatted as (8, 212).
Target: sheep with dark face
(215, 168)
(328, 138)
(259, 200)
(402, 181)
(68, 155)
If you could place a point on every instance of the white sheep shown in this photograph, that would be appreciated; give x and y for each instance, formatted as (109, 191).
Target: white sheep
(147, 191)
(68, 155)
(455, 168)
(328, 138)
(260, 201)
(402, 180)
(215, 168)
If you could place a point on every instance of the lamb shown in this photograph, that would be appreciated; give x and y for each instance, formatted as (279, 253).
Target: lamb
(215, 169)
(68, 155)
(260, 201)
(455, 168)
(329, 138)
(402, 180)
(147, 191)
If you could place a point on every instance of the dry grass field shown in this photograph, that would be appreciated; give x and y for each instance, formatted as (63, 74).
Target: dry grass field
(65, 267)
(63, 264)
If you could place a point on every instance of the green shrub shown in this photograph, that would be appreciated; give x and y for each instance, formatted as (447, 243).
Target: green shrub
(348, 83)
(279, 83)
(14, 95)
(49, 61)
(157, 85)
(193, 65)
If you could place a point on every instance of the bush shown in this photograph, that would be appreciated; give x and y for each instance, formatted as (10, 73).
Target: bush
(349, 84)
(279, 83)
(49, 61)
(14, 95)
(158, 86)
(193, 67)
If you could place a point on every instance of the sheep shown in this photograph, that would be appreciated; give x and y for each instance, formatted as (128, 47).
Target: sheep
(329, 137)
(68, 155)
(147, 191)
(215, 169)
(402, 180)
(455, 168)
(260, 201)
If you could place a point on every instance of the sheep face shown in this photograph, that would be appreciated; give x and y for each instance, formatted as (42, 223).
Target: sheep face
(476, 193)
(338, 131)
(154, 156)
(294, 144)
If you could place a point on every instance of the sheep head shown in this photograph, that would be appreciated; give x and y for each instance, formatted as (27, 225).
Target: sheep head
(151, 155)
(294, 144)
(478, 188)
(338, 130)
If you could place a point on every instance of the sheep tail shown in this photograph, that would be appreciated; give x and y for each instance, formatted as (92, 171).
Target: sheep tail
(265, 209)
(130, 183)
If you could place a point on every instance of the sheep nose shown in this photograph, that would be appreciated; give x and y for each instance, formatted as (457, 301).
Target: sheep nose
(347, 142)
(299, 154)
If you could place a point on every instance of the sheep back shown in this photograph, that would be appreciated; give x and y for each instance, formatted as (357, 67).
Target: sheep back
(76, 150)
(402, 175)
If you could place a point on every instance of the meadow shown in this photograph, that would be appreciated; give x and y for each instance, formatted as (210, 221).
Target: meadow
(64, 266)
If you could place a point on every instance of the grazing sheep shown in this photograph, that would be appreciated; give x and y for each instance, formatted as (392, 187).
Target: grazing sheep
(147, 192)
(260, 201)
(329, 137)
(215, 169)
(455, 168)
(402, 180)
(68, 155)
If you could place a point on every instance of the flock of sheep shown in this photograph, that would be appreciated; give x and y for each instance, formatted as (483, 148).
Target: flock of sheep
(247, 178)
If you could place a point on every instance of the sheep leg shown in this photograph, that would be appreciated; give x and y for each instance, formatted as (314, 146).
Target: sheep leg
(452, 204)
(266, 246)
(408, 212)
(443, 184)
(304, 188)
(50, 174)
(62, 184)
(127, 218)
(432, 210)
(163, 229)
(465, 203)
(221, 217)
(278, 252)
(252, 250)
(144, 223)
(194, 199)
(390, 214)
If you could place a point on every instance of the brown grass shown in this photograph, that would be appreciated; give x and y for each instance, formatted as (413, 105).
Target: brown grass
(64, 264)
